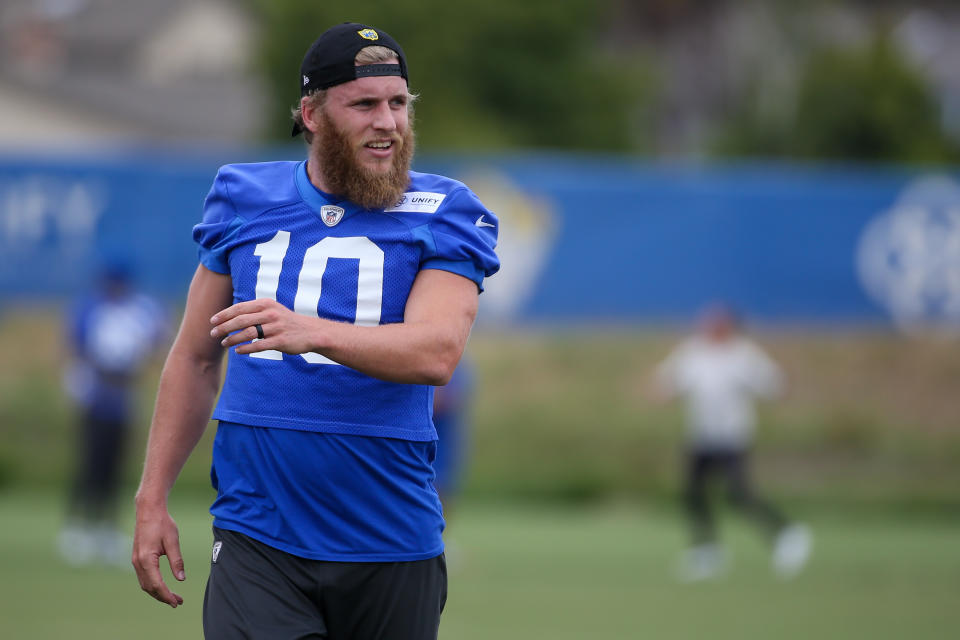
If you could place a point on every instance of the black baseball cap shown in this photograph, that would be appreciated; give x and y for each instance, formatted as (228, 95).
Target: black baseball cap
(330, 59)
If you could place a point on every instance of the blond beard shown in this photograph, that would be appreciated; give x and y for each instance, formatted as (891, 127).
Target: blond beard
(343, 175)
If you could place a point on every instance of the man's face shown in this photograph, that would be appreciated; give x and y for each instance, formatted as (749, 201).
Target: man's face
(372, 114)
(718, 325)
(364, 142)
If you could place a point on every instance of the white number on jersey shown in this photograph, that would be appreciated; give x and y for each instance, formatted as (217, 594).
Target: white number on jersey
(309, 284)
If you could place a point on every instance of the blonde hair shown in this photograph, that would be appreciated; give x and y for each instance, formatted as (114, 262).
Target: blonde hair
(374, 54)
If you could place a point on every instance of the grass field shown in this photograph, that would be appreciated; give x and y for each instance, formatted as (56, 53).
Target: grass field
(567, 530)
(530, 572)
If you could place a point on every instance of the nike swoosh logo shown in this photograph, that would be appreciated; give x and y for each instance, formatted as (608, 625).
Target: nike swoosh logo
(481, 223)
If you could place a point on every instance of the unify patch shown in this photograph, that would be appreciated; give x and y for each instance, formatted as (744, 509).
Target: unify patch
(419, 202)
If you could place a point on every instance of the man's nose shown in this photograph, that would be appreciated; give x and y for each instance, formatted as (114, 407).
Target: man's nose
(384, 118)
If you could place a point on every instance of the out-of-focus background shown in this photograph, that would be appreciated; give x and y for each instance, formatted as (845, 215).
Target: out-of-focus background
(797, 161)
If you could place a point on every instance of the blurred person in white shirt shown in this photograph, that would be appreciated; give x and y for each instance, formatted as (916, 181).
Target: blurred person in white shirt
(720, 374)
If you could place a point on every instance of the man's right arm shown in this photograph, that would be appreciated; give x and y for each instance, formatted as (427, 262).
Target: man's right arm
(188, 388)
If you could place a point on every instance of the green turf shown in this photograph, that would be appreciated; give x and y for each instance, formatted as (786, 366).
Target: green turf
(531, 572)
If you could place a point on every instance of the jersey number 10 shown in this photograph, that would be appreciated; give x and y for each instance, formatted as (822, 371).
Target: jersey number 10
(369, 281)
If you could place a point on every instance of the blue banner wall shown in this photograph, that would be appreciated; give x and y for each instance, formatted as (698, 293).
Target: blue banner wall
(583, 238)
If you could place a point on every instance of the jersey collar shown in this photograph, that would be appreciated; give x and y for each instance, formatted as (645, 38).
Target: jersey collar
(316, 198)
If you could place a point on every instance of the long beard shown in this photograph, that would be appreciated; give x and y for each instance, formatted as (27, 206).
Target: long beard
(343, 175)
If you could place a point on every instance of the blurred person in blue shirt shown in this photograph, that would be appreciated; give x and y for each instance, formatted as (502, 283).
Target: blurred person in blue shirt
(112, 332)
(451, 405)
(720, 374)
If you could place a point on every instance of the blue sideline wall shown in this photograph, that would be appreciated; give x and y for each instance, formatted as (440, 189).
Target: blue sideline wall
(584, 238)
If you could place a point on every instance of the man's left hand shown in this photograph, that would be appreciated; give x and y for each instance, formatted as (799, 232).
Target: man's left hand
(283, 330)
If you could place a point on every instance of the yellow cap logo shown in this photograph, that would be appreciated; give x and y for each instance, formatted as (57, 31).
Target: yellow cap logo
(368, 34)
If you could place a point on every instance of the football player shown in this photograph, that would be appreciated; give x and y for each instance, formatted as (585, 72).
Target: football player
(344, 288)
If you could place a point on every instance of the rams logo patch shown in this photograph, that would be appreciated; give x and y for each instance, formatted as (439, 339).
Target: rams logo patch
(368, 34)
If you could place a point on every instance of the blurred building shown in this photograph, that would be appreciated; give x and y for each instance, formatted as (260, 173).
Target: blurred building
(82, 71)
(78, 71)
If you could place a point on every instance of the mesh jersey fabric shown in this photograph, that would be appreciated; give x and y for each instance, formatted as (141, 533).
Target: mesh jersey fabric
(313, 457)
(262, 225)
(327, 496)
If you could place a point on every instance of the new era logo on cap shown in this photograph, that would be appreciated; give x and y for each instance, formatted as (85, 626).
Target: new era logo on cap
(306, 80)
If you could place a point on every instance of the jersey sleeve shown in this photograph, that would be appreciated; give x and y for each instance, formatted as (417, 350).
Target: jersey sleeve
(461, 238)
(220, 223)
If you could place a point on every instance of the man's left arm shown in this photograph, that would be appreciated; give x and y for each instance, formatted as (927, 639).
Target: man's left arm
(423, 349)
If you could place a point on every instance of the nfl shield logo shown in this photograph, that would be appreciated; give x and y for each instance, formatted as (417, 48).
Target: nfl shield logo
(330, 214)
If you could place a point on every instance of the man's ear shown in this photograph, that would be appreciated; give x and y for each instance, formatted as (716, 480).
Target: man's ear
(311, 113)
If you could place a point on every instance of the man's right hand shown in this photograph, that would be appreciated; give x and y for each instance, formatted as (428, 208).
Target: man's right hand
(156, 535)
(188, 387)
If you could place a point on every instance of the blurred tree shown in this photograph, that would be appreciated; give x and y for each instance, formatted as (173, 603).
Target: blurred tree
(490, 73)
(852, 104)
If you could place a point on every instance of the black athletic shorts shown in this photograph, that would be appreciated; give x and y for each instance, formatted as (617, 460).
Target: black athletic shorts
(257, 592)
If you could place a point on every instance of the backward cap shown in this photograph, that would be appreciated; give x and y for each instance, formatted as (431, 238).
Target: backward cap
(330, 59)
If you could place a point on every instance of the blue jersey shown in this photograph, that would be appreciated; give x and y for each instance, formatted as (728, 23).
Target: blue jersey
(450, 407)
(279, 237)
